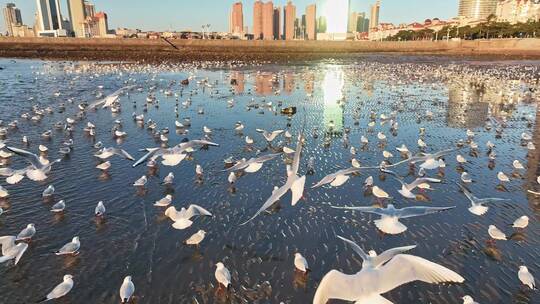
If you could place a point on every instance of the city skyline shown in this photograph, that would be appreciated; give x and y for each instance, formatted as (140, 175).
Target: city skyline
(169, 15)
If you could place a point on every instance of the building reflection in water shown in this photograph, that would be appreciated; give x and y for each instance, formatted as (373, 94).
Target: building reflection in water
(333, 97)
(309, 82)
(265, 82)
(238, 81)
(288, 82)
(466, 108)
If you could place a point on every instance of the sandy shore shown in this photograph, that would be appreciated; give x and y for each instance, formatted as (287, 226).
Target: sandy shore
(228, 50)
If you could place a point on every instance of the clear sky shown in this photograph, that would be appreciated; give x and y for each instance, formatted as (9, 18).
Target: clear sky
(191, 14)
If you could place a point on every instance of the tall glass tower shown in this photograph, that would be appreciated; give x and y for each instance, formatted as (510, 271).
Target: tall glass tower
(477, 9)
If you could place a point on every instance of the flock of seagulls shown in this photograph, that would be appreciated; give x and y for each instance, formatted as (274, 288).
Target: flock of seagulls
(379, 273)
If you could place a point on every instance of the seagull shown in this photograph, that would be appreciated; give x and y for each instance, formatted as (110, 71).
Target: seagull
(521, 222)
(38, 170)
(300, 262)
(105, 153)
(61, 289)
(294, 183)
(338, 178)
(174, 155)
(526, 277)
(269, 136)
(466, 178)
(460, 159)
(371, 260)
(429, 160)
(10, 250)
(222, 274)
(231, 178)
(109, 100)
(389, 222)
(406, 189)
(182, 218)
(100, 209)
(502, 177)
(366, 286)
(164, 202)
(517, 165)
(27, 233)
(126, 290)
(478, 204)
(199, 170)
(70, 248)
(104, 166)
(468, 300)
(496, 234)
(169, 179)
(253, 164)
(49, 191)
(380, 193)
(141, 181)
(196, 238)
(3, 192)
(59, 207)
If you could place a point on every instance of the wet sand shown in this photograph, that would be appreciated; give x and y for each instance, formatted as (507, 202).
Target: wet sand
(275, 51)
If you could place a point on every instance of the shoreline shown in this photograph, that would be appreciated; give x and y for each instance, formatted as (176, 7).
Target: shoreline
(161, 50)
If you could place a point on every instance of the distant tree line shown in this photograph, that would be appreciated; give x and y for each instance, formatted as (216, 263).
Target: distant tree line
(488, 30)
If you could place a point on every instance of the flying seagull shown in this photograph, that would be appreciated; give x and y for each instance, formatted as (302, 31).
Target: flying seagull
(389, 221)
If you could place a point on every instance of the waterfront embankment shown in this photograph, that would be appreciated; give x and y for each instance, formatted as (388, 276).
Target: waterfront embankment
(188, 50)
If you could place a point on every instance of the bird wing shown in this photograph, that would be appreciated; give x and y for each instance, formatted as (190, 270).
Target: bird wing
(123, 153)
(127, 290)
(330, 177)
(356, 248)
(69, 248)
(7, 242)
(389, 254)
(31, 157)
(337, 285)
(59, 291)
(420, 210)
(404, 268)
(443, 152)
(194, 210)
(276, 195)
(488, 200)
(265, 158)
(297, 189)
(373, 210)
(422, 180)
(238, 166)
(21, 248)
(296, 159)
(150, 153)
(467, 193)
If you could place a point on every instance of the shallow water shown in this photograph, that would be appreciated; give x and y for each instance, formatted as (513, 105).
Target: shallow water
(136, 239)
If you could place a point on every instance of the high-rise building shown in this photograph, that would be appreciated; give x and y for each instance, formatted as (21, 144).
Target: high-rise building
(289, 19)
(89, 9)
(268, 21)
(374, 18)
(353, 22)
(77, 16)
(277, 23)
(50, 18)
(514, 11)
(477, 9)
(311, 22)
(12, 17)
(257, 20)
(103, 24)
(321, 24)
(237, 18)
(362, 23)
